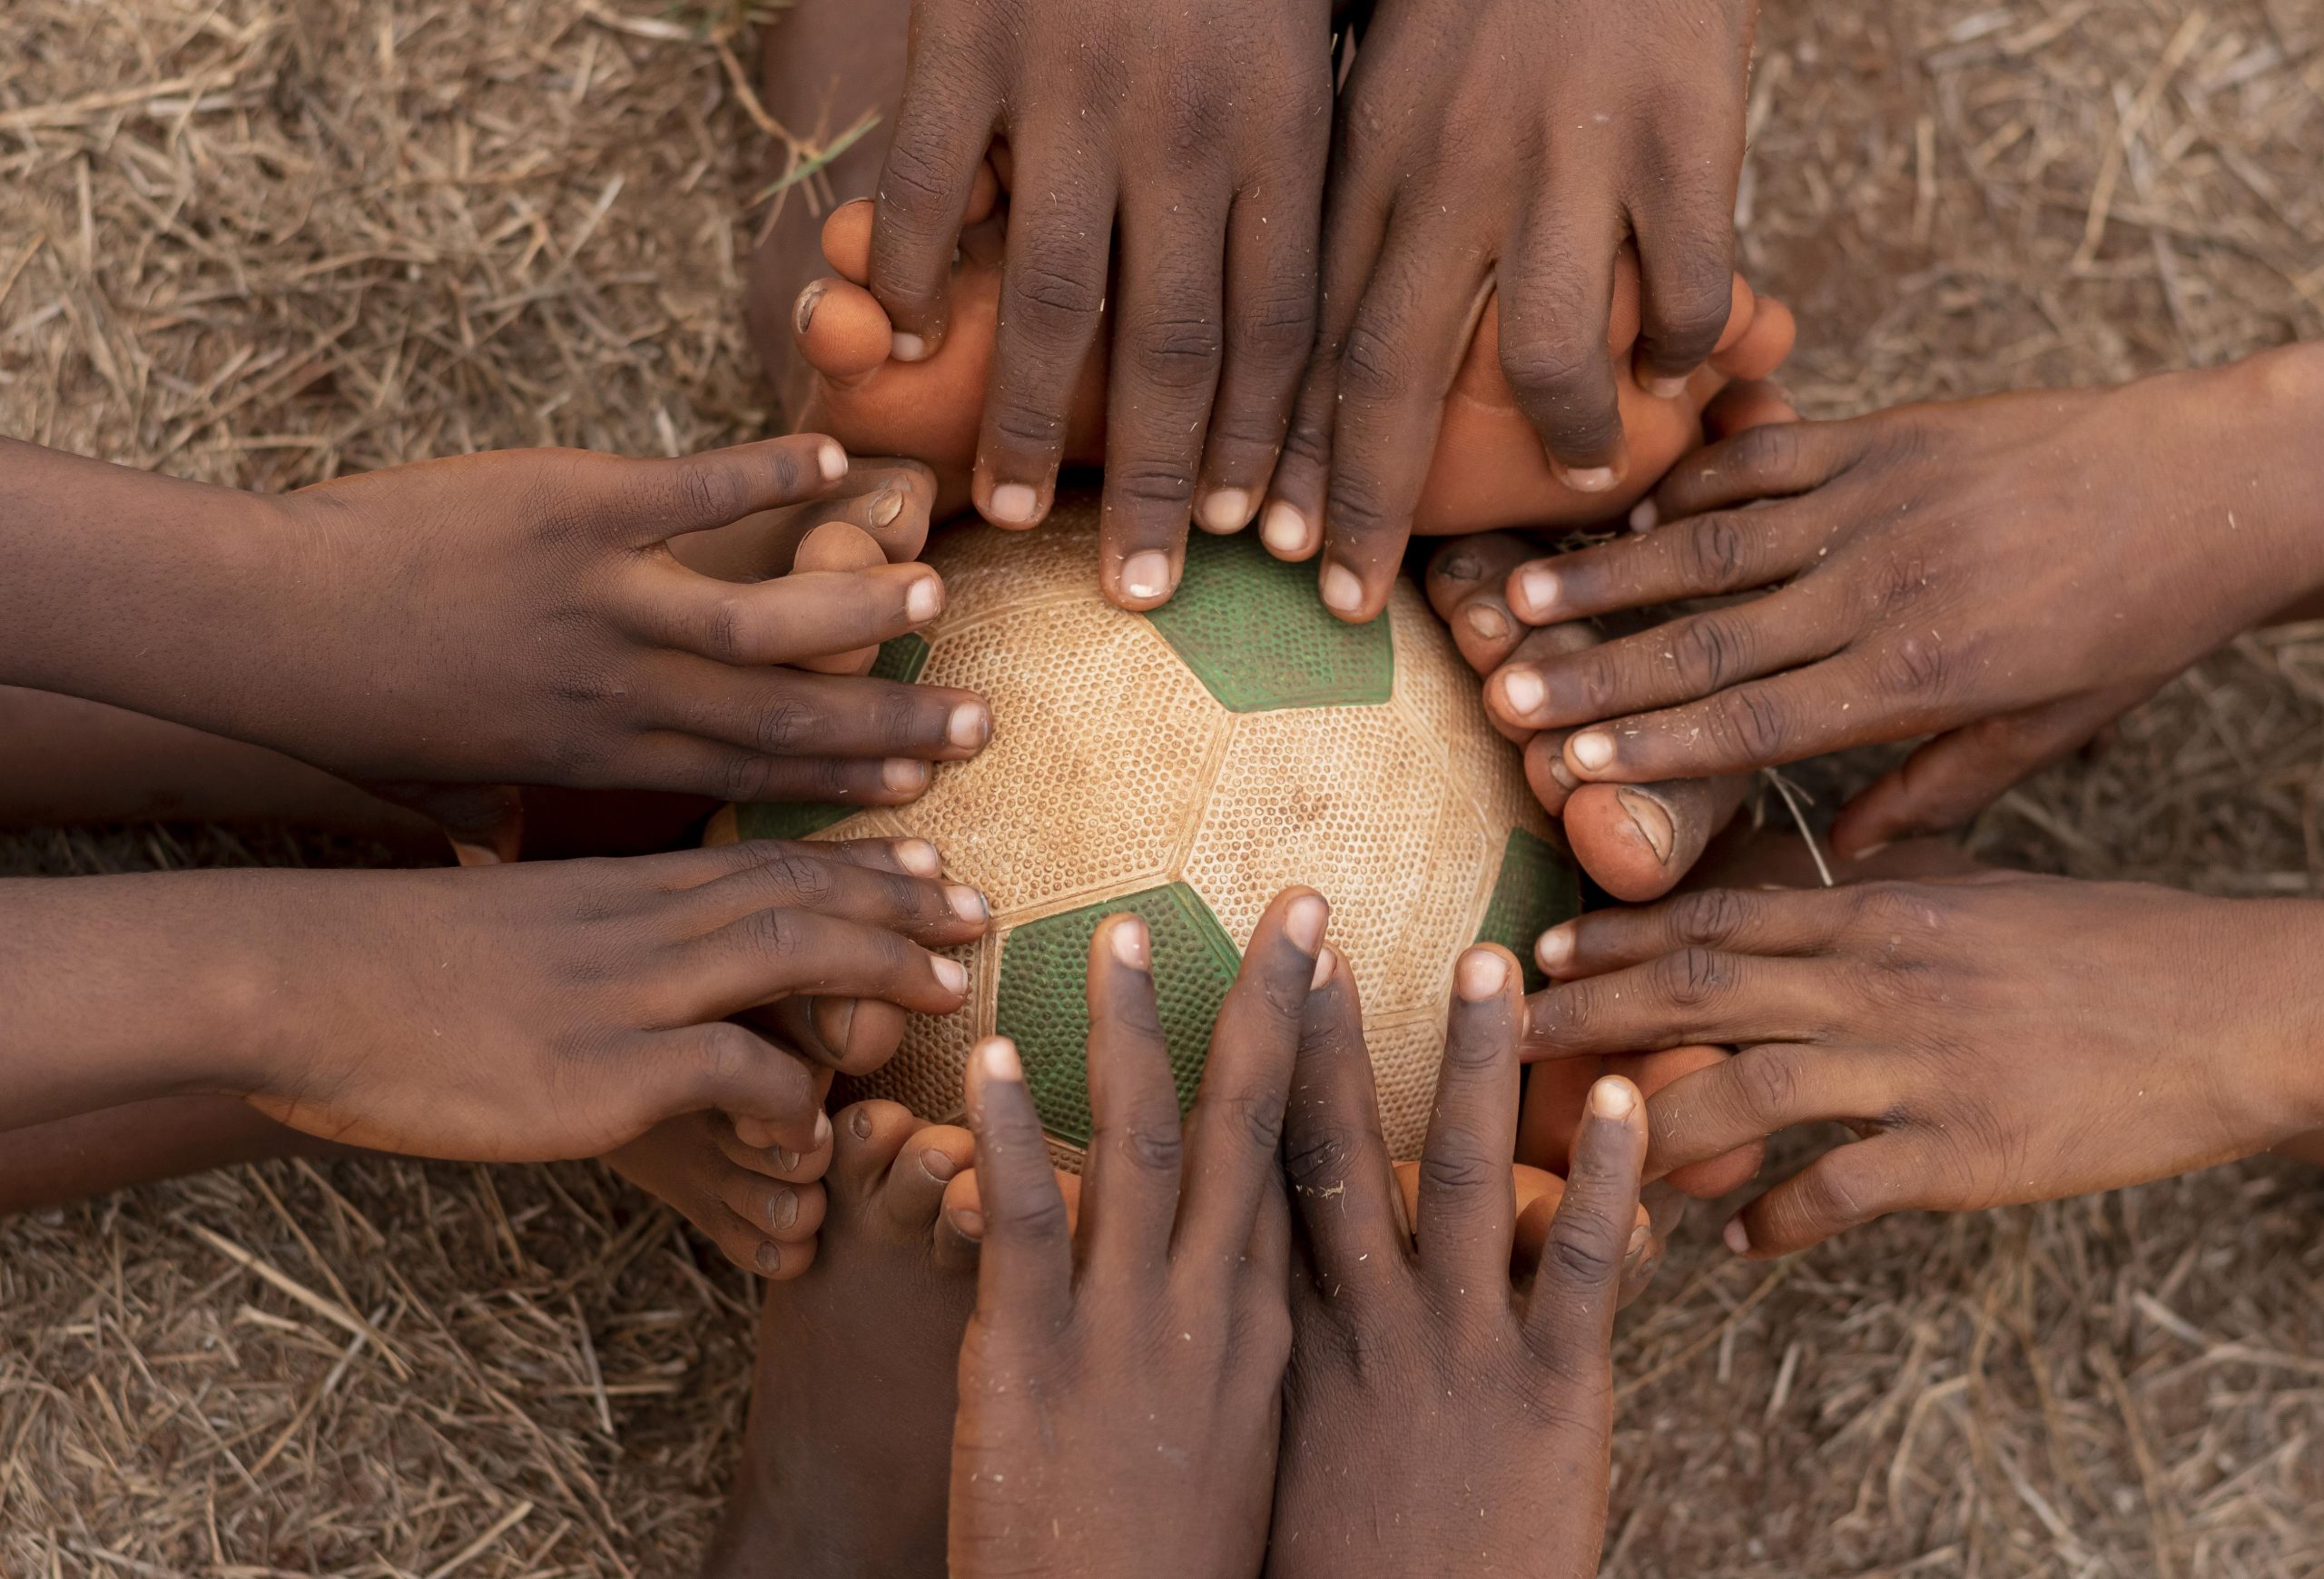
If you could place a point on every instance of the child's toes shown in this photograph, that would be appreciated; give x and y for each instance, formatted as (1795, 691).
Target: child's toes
(842, 331)
(929, 1162)
(786, 1213)
(847, 240)
(868, 1135)
(964, 1209)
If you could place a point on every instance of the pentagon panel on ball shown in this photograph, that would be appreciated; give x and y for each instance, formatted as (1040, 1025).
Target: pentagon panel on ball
(1186, 765)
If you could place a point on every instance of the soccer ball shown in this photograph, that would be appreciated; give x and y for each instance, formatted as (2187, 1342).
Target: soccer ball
(1187, 764)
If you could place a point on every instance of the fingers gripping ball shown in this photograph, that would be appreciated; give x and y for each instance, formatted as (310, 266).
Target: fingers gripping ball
(1187, 764)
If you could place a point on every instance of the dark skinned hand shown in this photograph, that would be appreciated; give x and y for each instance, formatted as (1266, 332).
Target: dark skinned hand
(1509, 146)
(2008, 574)
(1995, 1039)
(512, 617)
(1120, 1385)
(1192, 138)
(1436, 1418)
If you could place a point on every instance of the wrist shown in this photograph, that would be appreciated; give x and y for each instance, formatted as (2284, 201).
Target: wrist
(2288, 978)
(2255, 477)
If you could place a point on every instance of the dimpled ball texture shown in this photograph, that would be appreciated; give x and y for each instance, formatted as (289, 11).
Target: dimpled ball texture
(1187, 764)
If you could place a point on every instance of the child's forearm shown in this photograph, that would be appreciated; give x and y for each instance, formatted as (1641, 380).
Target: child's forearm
(116, 989)
(117, 581)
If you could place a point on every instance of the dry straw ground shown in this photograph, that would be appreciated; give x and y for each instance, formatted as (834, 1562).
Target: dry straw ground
(265, 243)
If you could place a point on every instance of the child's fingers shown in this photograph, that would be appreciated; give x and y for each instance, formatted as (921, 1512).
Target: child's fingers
(1342, 1183)
(1576, 1290)
(808, 614)
(777, 951)
(1467, 1211)
(791, 876)
(889, 499)
(851, 1036)
(1136, 1143)
(1464, 588)
(1025, 1265)
(772, 1094)
(1237, 1126)
(652, 501)
(1845, 1188)
(686, 764)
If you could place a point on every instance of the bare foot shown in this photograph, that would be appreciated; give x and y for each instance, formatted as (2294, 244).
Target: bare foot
(761, 1205)
(848, 1452)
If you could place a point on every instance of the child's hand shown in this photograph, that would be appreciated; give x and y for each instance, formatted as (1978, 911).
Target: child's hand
(513, 617)
(515, 1013)
(2008, 574)
(1119, 1388)
(1435, 1418)
(1995, 1039)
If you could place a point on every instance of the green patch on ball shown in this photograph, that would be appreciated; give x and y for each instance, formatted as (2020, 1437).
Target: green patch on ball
(1256, 635)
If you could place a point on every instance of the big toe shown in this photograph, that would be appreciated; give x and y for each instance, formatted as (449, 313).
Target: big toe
(842, 331)
(931, 1161)
(867, 1138)
(1639, 840)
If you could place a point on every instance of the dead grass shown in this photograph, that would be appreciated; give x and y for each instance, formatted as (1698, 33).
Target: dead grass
(261, 244)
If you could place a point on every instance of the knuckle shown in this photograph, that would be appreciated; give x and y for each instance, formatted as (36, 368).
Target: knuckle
(1276, 335)
(1318, 1159)
(1710, 554)
(1155, 1146)
(1371, 366)
(1457, 1172)
(1752, 723)
(1580, 1254)
(900, 718)
(1177, 354)
(1150, 483)
(746, 777)
(1768, 1081)
(708, 492)
(1839, 1191)
(784, 725)
(1709, 650)
(1053, 296)
(1692, 978)
(1257, 1120)
(1709, 918)
(770, 934)
(1912, 665)
(802, 877)
(1692, 297)
(1762, 455)
(913, 184)
(1041, 1218)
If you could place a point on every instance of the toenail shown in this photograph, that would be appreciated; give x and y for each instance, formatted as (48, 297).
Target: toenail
(783, 1210)
(1480, 974)
(907, 348)
(831, 461)
(1522, 693)
(1737, 1236)
(1128, 939)
(937, 1165)
(969, 727)
(967, 903)
(859, 1123)
(1645, 516)
(808, 299)
(1652, 818)
(924, 600)
(1667, 389)
(1303, 924)
(1487, 621)
(1146, 575)
(769, 1259)
(1553, 950)
(968, 1224)
(1227, 511)
(1561, 776)
(823, 1129)
(1590, 479)
(1613, 1098)
(1640, 1238)
(886, 506)
(950, 974)
(903, 775)
(834, 1018)
(1014, 505)
(1343, 590)
(785, 1159)
(1537, 588)
(1591, 751)
(919, 857)
(1284, 530)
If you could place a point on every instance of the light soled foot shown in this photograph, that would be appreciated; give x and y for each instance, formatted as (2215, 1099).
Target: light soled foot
(847, 1455)
(761, 1207)
(1490, 471)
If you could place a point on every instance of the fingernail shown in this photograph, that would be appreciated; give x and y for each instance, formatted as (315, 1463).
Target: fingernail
(823, 1129)
(886, 506)
(1553, 950)
(1487, 621)
(1536, 589)
(1284, 530)
(1651, 819)
(937, 1165)
(1737, 1236)
(903, 775)
(859, 1123)
(1343, 591)
(907, 348)
(1869, 850)
(783, 1210)
(1146, 575)
(1327, 960)
(1613, 1098)
(968, 1224)
(1590, 479)
(1014, 504)
(1640, 1237)
(1644, 516)
(831, 461)
(1303, 924)
(1666, 389)
(1522, 692)
(967, 903)
(919, 857)
(804, 312)
(1480, 974)
(769, 1259)
(1130, 942)
(950, 974)
(997, 1056)
(1227, 511)
(970, 727)
(924, 600)
(1592, 750)
(1562, 775)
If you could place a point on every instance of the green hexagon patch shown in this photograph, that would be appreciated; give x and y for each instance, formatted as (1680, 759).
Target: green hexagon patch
(901, 660)
(1253, 630)
(1538, 888)
(1042, 1004)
